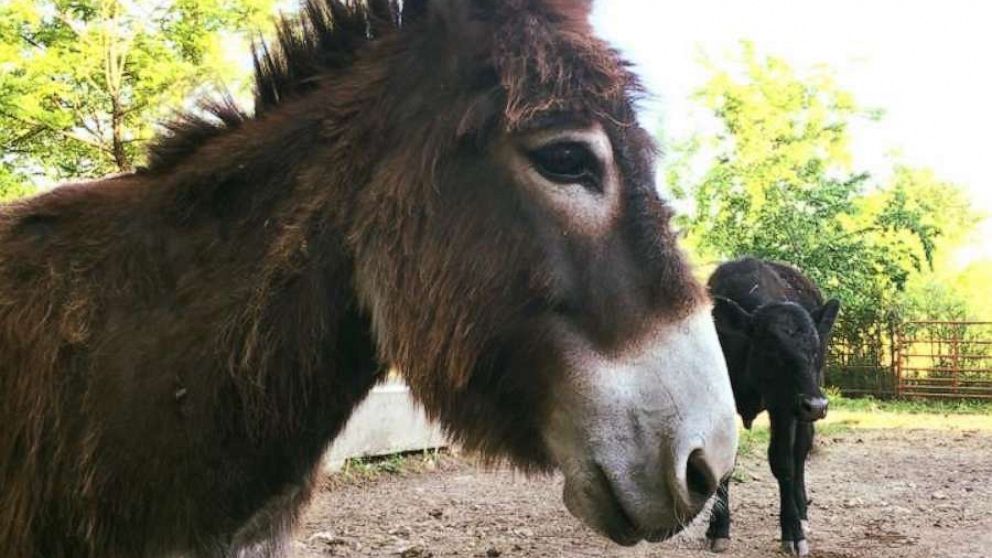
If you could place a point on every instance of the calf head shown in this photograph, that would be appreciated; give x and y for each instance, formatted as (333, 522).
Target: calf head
(786, 351)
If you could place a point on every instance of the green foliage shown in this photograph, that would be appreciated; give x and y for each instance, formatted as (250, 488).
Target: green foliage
(83, 82)
(970, 286)
(12, 185)
(778, 184)
(948, 291)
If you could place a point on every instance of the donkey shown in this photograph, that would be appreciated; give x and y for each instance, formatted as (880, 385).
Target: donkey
(458, 188)
(773, 327)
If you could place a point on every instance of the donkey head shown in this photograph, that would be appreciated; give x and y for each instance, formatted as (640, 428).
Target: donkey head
(520, 268)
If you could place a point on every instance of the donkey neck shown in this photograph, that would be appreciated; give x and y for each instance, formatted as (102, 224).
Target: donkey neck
(267, 205)
(274, 191)
(267, 165)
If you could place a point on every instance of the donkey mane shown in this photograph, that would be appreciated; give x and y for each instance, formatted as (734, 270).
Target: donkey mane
(324, 39)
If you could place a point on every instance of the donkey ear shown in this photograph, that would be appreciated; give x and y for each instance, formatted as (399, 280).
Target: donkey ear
(730, 318)
(462, 22)
(825, 316)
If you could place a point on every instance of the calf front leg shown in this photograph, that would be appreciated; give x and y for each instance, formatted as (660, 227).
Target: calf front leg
(781, 457)
(718, 533)
(804, 441)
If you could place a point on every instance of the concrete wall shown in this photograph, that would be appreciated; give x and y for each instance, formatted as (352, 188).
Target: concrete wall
(387, 422)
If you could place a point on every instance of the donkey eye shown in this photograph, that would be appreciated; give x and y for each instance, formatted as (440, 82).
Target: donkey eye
(567, 163)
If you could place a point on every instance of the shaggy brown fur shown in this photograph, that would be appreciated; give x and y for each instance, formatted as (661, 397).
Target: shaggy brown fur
(179, 345)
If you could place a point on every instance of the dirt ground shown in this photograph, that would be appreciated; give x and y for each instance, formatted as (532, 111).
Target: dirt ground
(876, 493)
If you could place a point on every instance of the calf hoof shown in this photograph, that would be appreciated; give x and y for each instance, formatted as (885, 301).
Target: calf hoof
(719, 545)
(795, 548)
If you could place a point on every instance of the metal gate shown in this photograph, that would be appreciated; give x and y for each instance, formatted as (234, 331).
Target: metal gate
(944, 359)
(928, 359)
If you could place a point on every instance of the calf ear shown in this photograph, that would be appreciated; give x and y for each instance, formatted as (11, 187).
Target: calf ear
(825, 316)
(730, 318)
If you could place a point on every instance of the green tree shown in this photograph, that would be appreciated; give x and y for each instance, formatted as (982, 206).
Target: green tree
(83, 82)
(778, 183)
(12, 185)
(936, 292)
(971, 284)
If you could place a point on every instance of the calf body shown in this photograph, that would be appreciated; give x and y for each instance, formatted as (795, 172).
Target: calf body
(773, 327)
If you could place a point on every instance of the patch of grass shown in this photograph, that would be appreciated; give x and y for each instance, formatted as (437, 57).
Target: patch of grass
(395, 464)
(868, 413)
(836, 427)
(848, 415)
(753, 441)
(910, 406)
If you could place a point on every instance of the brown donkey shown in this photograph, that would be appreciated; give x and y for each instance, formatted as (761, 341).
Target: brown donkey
(455, 187)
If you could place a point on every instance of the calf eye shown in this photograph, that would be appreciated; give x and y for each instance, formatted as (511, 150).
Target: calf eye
(567, 163)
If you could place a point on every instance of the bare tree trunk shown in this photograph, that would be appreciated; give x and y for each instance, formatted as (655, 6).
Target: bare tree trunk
(115, 62)
(117, 121)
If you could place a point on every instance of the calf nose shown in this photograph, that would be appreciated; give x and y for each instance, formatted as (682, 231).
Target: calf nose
(813, 408)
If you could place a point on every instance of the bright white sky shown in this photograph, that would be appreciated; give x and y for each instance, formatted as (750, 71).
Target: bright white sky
(928, 64)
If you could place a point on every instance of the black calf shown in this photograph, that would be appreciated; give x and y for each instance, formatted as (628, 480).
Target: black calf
(773, 326)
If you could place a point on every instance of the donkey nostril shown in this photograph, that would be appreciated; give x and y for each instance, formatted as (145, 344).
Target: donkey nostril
(698, 477)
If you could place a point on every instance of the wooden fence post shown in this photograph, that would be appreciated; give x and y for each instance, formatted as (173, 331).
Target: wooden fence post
(955, 360)
(895, 335)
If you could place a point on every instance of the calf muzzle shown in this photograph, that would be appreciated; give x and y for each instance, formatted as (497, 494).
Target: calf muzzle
(812, 408)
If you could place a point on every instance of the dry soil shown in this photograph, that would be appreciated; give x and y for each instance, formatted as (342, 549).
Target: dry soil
(876, 493)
